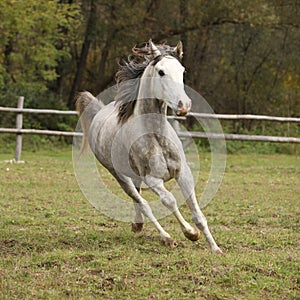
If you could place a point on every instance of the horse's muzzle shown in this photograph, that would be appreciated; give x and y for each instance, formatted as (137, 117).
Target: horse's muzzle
(182, 109)
(181, 112)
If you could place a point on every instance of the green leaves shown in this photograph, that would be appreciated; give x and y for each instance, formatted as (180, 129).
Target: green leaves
(239, 54)
(33, 38)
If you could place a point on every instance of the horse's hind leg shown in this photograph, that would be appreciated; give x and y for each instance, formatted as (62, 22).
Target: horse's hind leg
(138, 224)
(167, 198)
(143, 207)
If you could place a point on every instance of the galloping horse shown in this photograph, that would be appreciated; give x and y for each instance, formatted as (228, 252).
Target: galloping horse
(133, 139)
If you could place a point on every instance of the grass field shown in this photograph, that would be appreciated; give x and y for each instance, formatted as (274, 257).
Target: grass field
(54, 245)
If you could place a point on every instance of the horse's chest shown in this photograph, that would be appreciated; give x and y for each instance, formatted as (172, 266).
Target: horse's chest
(173, 163)
(156, 161)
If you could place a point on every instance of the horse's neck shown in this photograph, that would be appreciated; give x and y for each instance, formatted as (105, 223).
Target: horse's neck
(151, 116)
(150, 106)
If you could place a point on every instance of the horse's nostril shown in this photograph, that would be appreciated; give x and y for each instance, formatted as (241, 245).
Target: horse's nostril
(180, 104)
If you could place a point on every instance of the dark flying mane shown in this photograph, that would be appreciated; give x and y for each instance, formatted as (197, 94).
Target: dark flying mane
(129, 74)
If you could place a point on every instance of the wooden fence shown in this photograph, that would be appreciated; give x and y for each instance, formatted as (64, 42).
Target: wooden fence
(19, 131)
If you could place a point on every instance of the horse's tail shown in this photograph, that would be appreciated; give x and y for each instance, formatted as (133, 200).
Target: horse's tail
(87, 106)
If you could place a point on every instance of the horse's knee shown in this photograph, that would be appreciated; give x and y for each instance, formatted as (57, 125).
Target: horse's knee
(169, 201)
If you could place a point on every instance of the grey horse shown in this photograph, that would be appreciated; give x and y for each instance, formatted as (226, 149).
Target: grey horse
(133, 139)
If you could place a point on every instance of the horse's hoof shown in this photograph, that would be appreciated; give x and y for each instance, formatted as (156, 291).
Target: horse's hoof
(217, 251)
(194, 236)
(137, 227)
(169, 242)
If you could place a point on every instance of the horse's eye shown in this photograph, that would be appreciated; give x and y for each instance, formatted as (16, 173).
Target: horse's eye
(161, 73)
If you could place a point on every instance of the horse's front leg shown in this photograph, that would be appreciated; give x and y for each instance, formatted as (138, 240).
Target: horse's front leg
(186, 183)
(167, 198)
(142, 207)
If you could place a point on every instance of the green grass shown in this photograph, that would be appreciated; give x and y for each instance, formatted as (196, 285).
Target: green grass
(53, 245)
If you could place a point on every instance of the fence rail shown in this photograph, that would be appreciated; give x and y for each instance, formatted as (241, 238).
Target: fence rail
(40, 131)
(19, 131)
(192, 114)
(38, 111)
(240, 137)
(244, 117)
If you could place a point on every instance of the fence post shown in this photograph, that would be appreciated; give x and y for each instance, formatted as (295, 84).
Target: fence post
(19, 125)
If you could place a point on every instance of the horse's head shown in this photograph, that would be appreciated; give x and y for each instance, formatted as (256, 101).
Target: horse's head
(163, 77)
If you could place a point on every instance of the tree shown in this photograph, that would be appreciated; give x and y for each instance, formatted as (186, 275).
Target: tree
(242, 56)
(33, 42)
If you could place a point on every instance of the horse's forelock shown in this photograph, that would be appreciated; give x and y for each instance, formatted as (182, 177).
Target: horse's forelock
(140, 59)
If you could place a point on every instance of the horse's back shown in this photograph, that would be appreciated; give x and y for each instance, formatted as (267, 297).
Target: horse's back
(102, 131)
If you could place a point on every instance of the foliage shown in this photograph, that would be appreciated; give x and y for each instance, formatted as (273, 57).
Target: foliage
(242, 56)
(55, 246)
(33, 39)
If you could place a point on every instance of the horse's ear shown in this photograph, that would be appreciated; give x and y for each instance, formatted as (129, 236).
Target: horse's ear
(153, 49)
(179, 50)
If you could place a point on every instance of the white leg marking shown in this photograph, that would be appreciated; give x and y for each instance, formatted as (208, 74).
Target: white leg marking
(186, 183)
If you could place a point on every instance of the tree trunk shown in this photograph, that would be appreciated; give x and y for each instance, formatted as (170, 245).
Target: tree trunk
(184, 16)
(89, 34)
